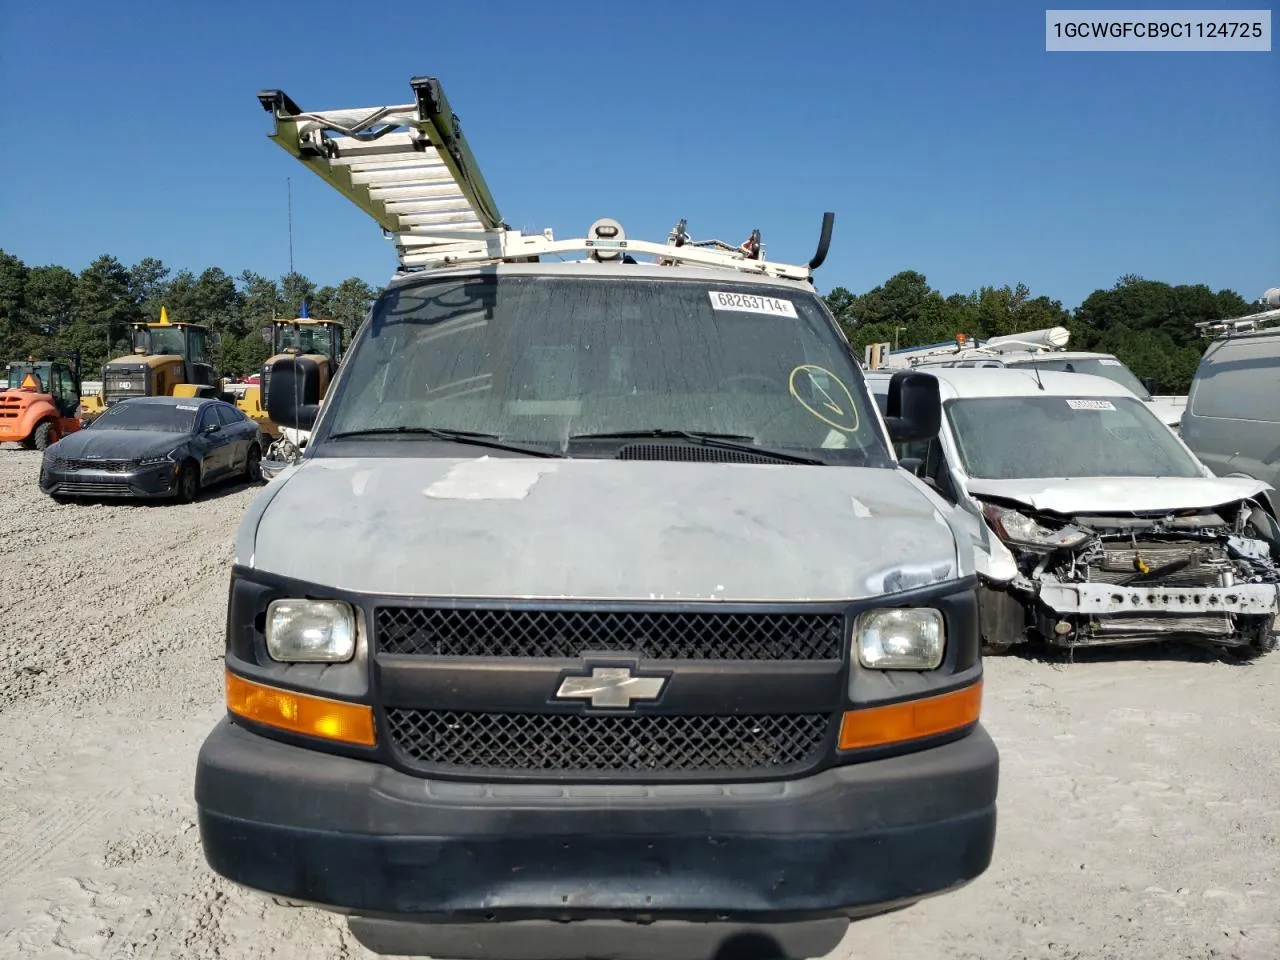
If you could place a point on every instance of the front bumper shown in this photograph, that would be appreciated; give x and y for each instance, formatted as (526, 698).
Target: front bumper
(154, 481)
(1103, 599)
(360, 838)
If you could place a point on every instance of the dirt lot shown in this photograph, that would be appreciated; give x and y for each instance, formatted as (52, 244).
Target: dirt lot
(1140, 797)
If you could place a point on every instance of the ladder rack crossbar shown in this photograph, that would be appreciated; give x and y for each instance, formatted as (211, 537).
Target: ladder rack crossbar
(427, 251)
(1249, 324)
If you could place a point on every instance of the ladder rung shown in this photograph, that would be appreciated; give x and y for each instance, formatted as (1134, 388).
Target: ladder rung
(431, 205)
(415, 191)
(403, 173)
(427, 219)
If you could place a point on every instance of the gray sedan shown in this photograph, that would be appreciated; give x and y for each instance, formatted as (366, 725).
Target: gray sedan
(154, 448)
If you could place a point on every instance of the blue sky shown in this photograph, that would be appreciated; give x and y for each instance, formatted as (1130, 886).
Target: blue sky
(941, 133)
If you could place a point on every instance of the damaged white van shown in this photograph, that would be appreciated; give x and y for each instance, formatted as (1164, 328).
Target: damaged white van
(1093, 523)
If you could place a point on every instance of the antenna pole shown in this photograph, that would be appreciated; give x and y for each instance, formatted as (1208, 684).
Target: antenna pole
(288, 183)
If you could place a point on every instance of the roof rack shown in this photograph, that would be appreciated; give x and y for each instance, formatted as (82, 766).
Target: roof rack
(1253, 323)
(964, 349)
(409, 167)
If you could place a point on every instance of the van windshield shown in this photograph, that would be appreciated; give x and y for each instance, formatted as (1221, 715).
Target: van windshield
(1070, 437)
(544, 361)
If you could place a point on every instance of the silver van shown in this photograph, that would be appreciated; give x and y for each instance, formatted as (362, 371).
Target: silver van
(595, 618)
(1232, 420)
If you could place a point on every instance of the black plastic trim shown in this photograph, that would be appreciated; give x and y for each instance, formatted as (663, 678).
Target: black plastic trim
(525, 684)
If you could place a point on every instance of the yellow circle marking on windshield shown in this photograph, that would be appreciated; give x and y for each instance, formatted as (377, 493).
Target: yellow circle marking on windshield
(838, 411)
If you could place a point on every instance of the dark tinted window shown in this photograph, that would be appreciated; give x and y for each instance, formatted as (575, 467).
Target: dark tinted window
(1239, 380)
(228, 414)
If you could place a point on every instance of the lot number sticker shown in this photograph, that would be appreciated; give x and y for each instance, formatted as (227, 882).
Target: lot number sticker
(750, 303)
(1108, 362)
(1091, 405)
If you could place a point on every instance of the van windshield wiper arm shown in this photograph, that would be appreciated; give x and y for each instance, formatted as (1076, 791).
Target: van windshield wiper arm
(724, 441)
(443, 433)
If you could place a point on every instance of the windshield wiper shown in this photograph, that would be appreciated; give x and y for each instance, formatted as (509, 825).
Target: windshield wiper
(443, 433)
(723, 441)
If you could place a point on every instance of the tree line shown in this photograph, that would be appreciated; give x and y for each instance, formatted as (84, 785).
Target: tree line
(1147, 324)
(50, 310)
(53, 311)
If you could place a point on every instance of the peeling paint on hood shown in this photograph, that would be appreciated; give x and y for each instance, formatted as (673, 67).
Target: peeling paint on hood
(1120, 494)
(602, 529)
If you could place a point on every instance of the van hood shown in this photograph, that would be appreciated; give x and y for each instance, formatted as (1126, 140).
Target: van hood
(1120, 494)
(522, 528)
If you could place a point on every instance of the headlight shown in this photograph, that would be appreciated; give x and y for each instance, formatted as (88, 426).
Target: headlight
(310, 631)
(151, 461)
(906, 638)
(1014, 527)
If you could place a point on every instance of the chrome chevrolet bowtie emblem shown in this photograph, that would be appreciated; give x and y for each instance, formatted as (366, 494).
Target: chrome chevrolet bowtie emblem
(611, 687)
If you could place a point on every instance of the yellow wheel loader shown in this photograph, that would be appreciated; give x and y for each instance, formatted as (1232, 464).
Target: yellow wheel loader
(315, 348)
(168, 360)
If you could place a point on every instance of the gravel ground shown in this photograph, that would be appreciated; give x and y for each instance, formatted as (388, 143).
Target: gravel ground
(1140, 795)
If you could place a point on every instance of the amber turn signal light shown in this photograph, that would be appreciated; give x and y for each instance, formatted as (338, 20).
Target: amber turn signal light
(299, 712)
(900, 722)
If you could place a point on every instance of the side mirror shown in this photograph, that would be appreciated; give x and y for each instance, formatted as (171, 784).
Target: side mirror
(292, 380)
(914, 407)
(212, 428)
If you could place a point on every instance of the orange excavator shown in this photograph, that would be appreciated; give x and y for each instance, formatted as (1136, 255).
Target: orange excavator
(40, 402)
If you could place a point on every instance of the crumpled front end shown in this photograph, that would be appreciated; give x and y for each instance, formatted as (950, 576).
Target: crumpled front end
(1208, 575)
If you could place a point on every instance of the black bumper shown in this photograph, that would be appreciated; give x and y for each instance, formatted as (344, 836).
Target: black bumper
(359, 838)
(143, 483)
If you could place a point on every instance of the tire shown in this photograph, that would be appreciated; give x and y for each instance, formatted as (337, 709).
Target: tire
(1268, 643)
(188, 487)
(253, 465)
(43, 435)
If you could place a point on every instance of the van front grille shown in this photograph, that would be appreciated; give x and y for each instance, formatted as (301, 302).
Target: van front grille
(568, 634)
(586, 744)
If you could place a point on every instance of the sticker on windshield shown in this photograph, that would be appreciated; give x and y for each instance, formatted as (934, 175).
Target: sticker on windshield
(1109, 362)
(183, 406)
(825, 396)
(1091, 405)
(750, 303)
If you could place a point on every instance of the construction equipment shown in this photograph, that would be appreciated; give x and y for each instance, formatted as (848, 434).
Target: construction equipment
(168, 359)
(41, 402)
(317, 346)
(409, 167)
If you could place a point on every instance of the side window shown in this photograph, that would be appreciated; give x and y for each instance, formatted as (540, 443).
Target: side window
(228, 415)
(933, 469)
(65, 395)
(207, 416)
(199, 349)
(65, 384)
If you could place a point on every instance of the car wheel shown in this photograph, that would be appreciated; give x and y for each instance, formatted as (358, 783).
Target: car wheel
(188, 486)
(253, 465)
(43, 435)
